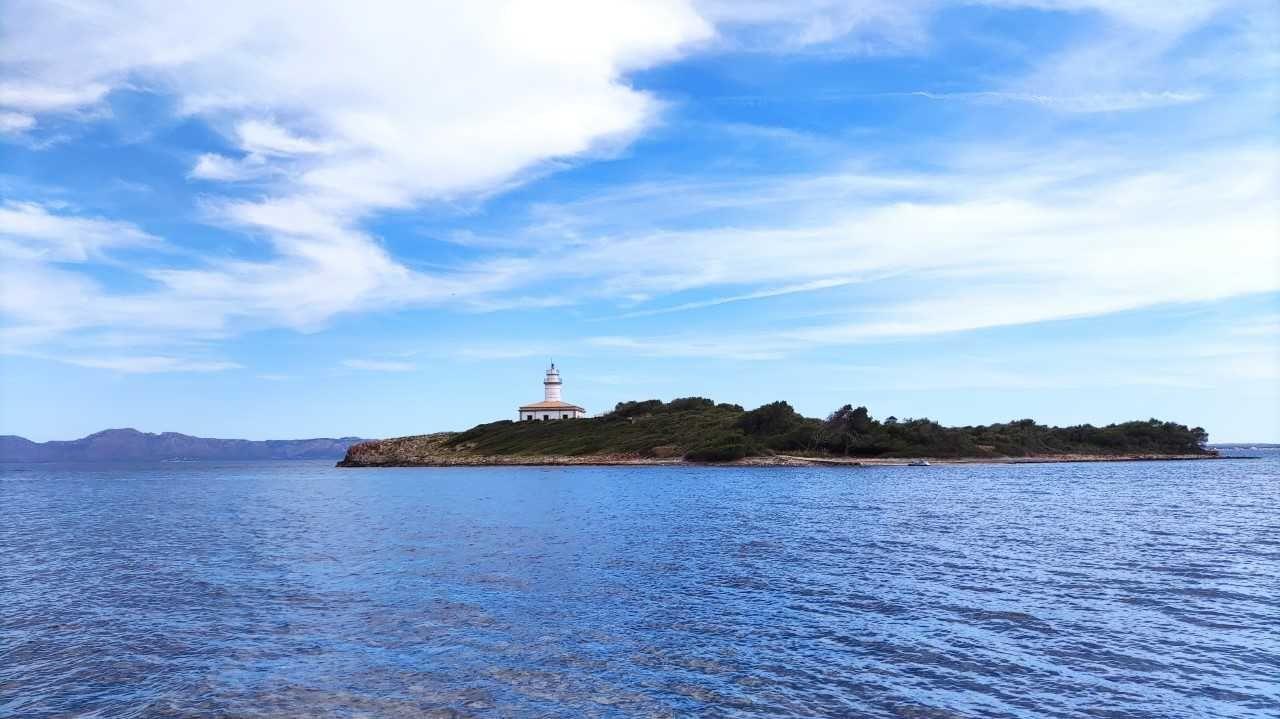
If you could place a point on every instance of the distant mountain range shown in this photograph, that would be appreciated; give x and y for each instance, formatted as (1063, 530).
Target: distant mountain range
(130, 444)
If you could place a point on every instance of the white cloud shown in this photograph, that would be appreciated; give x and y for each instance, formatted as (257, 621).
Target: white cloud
(870, 27)
(1159, 16)
(29, 231)
(211, 166)
(811, 286)
(741, 347)
(1132, 55)
(40, 302)
(903, 26)
(150, 364)
(379, 365)
(1007, 246)
(415, 100)
(347, 110)
(14, 122)
(340, 112)
(1152, 55)
(48, 96)
(1267, 326)
(267, 138)
(43, 304)
(1112, 102)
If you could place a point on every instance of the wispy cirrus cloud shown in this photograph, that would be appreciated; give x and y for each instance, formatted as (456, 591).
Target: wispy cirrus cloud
(740, 347)
(1102, 102)
(151, 364)
(15, 122)
(33, 231)
(330, 135)
(379, 365)
(812, 286)
(991, 252)
(37, 96)
(220, 168)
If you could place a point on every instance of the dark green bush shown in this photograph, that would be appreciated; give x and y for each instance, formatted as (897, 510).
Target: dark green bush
(636, 409)
(707, 432)
(770, 419)
(684, 404)
(725, 448)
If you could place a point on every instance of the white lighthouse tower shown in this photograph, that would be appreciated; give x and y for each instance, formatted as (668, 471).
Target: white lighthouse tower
(551, 385)
(551, 406)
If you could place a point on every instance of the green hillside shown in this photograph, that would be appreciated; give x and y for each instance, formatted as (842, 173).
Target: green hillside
(701, 430)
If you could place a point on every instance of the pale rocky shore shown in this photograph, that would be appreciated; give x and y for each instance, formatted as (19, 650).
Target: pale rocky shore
(1034, 459)
(433, 450)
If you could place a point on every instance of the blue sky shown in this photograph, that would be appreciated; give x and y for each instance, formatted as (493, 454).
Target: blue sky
(285, 220)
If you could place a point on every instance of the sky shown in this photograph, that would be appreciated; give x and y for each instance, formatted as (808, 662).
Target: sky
(297, 219)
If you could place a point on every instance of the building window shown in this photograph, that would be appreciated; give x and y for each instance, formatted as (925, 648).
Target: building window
(546, 416)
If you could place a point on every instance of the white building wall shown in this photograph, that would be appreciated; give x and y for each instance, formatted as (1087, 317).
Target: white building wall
(549, 414)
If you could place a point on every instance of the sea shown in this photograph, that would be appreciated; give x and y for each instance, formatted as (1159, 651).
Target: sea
(297, 589)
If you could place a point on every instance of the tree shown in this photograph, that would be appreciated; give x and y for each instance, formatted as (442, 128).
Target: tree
(636, 409)
(854, 421)
(770, 419)
(682, 404)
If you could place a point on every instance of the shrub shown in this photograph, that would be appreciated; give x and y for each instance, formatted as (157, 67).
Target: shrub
(720, 453)
(724, 447)
(721, 432)
(770, 419)
(635, 409)
(684, 404)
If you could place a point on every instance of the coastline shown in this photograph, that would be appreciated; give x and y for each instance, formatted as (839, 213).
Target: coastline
(613, 460)
(441, 449)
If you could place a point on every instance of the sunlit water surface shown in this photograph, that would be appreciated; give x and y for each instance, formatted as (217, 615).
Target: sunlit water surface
(294, 589)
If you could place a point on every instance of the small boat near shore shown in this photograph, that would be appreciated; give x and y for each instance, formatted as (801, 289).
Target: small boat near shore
(918, 463)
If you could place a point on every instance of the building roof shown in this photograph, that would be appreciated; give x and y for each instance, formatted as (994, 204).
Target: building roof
(551, 405)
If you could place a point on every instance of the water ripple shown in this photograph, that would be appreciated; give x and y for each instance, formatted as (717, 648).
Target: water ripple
(292, 589)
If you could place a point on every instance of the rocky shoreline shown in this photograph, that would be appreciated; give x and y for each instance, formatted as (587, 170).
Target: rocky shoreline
(433, 450)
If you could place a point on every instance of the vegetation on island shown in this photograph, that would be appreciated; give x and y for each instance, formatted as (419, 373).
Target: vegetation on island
(701, 430)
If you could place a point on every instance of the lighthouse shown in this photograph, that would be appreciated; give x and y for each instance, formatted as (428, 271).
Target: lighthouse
(551, 385)
(551, 406)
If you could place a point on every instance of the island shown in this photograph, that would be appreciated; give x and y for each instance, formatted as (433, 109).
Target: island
(698, 430)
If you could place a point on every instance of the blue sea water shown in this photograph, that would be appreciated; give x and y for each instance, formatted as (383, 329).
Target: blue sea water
(287, 589)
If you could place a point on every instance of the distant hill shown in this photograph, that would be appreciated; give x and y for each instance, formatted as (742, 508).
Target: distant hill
(699, 430)
(130, 444)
